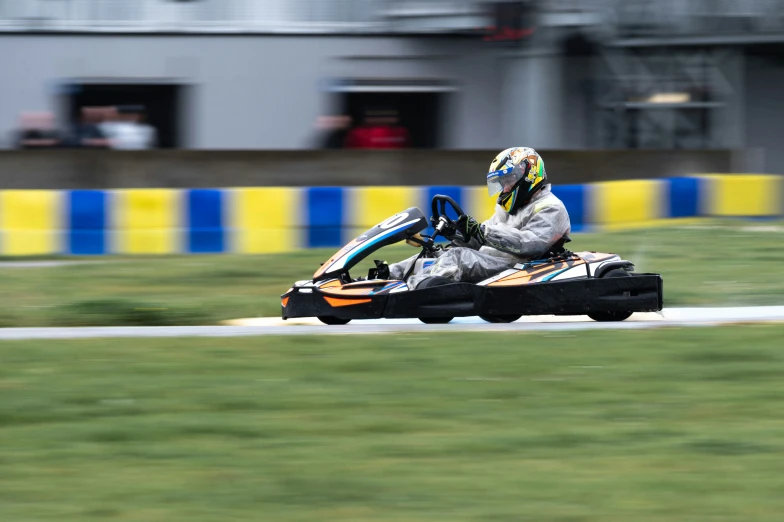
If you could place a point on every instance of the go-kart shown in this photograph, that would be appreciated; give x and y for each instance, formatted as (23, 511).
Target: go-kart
(600, 285)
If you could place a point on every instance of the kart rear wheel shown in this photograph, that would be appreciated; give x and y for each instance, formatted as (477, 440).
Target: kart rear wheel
(435, 320)
(606, 317)
(332, 320)
(500, 318)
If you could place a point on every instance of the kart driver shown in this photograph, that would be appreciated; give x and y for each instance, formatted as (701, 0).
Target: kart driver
(529, 223)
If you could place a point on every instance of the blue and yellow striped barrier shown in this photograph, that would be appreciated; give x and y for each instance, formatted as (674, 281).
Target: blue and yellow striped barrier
(31, 222)
(281, 219)
(750, 195)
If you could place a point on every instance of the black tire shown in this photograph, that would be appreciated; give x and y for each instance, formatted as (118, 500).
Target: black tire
(435, 320)
(607, 317)
(500, 318)
(332, 320)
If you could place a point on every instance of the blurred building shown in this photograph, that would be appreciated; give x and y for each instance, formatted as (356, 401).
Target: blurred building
(249, 74)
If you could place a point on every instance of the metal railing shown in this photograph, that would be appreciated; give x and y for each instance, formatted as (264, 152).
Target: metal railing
(434, 7)
(232, 16)
(629, 18)
(620, 18)
(191, 15)
(698, 17)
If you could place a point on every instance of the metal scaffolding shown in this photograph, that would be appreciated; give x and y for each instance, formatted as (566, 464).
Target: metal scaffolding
(661, 71)
(697, 18)
(662, 98)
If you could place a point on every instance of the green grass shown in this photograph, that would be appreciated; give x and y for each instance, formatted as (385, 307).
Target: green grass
(724, 263)
(665, 425)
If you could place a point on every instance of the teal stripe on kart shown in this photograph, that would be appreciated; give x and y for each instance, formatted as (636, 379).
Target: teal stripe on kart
(555, 274)
(375, 240)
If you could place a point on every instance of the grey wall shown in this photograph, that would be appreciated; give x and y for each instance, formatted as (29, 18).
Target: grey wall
(252, 92)
(264, 92)
(579, 115)
(532, 100)
(765, 109)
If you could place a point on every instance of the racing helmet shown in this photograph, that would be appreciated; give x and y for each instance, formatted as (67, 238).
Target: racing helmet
(516, 174)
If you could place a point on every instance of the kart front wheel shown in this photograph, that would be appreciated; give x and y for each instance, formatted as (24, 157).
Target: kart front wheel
(500, 318)
(435, 320)
(606, 317)
(329, 319)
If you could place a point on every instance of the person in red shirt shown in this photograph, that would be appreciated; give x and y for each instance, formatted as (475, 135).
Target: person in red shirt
(380, 130)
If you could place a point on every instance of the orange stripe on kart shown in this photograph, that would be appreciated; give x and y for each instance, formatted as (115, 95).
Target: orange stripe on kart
(519, 278)
(522, 278)
(350, 291)
(341, 253)
(511, 282)
(284, 301)
(335, 303)
(331, 284)
(557, 268)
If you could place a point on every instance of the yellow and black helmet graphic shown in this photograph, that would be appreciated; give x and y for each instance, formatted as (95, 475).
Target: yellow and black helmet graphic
(515, 174)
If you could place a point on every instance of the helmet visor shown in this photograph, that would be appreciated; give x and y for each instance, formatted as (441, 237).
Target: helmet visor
(505, 179)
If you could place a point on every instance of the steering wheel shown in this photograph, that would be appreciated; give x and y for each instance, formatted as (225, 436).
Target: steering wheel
(440, 220)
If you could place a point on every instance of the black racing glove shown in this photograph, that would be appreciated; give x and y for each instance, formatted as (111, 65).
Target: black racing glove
(448, 231)
(470, 228)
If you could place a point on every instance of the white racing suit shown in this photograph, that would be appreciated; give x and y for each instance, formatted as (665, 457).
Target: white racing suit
(509, 239)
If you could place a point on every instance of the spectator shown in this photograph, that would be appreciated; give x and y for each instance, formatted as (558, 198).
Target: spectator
(37, 131)
(128, 130)
(381, 130)
(148, 134)
(110, 124)
(87, 133)
(333, 131)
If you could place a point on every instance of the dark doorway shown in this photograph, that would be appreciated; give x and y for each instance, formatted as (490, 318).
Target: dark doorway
(161, 104)
(419, 112)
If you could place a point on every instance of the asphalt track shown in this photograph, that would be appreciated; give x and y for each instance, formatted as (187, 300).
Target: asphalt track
(669, 317)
